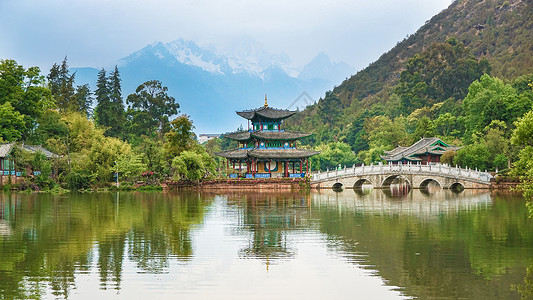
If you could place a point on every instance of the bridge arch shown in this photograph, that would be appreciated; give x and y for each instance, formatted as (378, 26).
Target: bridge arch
(424, 184)
(388, 181)
(457, 187)
(337, 186)
(360, 182)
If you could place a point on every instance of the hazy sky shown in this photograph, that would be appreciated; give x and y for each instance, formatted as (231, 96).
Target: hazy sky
(98, 32)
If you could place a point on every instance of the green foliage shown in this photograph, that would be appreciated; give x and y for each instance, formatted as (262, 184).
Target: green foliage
(448, 157)
(180, 136)
(24, 90)
(12, 124)
(152, 105)
(332, 155)
(442, 71)
(491, 99)
(79, 180)
(424, 128)
(373, 154)
(522, 137)
(67, 98)
(473, 156)
(386, 133)
(193, 165)
(109, 112)
(42, 164)
(130, 166)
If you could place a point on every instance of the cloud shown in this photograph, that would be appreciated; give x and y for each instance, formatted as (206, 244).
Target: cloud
(97, 32)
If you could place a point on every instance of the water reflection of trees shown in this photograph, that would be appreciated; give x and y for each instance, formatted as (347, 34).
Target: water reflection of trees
(268, 218)
(433, 246)
(47, 239)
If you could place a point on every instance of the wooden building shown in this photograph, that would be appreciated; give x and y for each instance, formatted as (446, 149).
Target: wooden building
(425, 151)
(266, 149)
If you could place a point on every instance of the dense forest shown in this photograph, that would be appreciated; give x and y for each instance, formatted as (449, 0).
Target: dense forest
(139, 141)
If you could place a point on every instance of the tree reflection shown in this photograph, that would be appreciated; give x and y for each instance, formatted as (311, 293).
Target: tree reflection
(45, 240)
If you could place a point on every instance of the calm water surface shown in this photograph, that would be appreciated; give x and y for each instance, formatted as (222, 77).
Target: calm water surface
(303, 245)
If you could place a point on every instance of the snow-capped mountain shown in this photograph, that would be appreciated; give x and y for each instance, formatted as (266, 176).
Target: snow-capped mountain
(244, 55)
(210, 83)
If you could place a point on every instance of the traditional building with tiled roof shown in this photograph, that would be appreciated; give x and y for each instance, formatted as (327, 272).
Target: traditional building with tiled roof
(266, 149)
(424, 151)
(8, 172)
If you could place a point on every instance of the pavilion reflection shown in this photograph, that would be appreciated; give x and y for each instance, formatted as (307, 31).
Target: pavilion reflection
(269, 218)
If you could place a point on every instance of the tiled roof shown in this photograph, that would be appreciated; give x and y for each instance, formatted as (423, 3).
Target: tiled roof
(424, 145)
(33, 149)
(279, 135)
(5, 149)
(234, 154)
(268, 153)
(238, 136)
(266, 112)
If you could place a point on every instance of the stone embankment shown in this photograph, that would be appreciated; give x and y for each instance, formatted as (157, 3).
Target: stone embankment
(256, 184)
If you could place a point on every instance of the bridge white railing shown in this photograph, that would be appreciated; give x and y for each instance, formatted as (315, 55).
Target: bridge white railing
(431, 169)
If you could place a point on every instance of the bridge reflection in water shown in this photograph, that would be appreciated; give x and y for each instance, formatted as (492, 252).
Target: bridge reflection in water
(400, 201)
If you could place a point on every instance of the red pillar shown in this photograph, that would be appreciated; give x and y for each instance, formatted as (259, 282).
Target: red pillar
(306, 166)
(239, 166)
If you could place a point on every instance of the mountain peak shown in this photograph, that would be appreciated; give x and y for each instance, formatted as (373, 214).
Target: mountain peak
(322, 67)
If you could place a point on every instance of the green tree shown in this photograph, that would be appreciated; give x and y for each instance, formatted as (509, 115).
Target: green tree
(473, 156)
(332, 155)
(180, 137)
(522, 137)
(25, 91)
(424, 128)
(489, 99)
(382, 131)
(193, 165)
(155, 106)
(83, 99)
(61, 84)
(109, 112)
(12, 123)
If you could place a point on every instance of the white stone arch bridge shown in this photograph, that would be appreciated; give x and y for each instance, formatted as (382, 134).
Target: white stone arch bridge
(417, 175)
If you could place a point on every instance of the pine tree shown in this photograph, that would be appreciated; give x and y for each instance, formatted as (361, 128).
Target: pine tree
(109, 111)
(61, 84)
(102, 99)
(117, 106)
(83, 99)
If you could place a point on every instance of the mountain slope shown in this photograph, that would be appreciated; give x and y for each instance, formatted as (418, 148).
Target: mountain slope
(500, 30)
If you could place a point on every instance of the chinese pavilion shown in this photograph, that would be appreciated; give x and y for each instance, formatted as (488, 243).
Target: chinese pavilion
(266, 149)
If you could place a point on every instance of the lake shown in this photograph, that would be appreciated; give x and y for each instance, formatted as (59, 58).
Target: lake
(371, 244)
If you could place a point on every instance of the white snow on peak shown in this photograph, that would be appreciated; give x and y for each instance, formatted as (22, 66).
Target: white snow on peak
(241, 56)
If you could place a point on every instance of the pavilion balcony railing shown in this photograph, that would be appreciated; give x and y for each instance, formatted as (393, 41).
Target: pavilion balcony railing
(430, 169)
